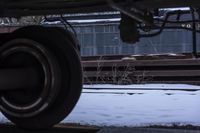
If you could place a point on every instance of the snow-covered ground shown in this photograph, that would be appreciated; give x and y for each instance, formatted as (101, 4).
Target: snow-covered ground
(134, 107)
(144, 87)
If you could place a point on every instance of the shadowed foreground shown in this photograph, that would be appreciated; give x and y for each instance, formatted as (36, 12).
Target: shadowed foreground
(57, 129)
(145, 130)
(86, 129)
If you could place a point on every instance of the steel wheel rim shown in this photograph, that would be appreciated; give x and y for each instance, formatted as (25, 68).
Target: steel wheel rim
(48, 64)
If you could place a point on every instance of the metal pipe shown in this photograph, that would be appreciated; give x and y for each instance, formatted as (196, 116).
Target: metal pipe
(194, 34)
(18, 78)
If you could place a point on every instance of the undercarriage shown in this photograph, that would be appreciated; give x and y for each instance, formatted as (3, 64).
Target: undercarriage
(40, 68)
(43, 7)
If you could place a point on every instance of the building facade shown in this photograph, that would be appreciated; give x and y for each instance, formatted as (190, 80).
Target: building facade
(104, 39)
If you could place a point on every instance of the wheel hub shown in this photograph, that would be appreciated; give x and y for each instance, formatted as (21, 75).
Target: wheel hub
(28, 102)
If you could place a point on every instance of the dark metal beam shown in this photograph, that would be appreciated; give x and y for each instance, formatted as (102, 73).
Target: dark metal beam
(45, 7)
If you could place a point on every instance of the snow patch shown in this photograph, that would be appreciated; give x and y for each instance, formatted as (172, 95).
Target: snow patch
(144, 86)
(135, 107)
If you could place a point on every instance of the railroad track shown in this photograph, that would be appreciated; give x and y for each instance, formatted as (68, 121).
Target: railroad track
(5, 128)
(71, 129)
(142, 69)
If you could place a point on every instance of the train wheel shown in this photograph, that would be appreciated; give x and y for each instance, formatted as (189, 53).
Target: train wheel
(56, 63)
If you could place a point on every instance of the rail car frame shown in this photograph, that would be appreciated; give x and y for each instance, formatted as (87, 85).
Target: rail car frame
(40, 69)
(43, 7)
